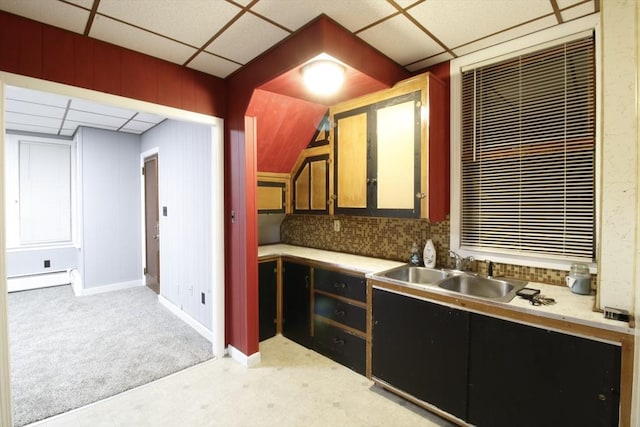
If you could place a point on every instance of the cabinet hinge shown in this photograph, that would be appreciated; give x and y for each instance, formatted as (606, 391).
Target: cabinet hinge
(144, 270)
(143, 171)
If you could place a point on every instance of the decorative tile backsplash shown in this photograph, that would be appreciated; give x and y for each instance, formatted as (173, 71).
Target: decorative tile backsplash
(392, 238)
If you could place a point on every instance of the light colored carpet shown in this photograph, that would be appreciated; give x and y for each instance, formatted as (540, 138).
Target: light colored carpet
(69, 351)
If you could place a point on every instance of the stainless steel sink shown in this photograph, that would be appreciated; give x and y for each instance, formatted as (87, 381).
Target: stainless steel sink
(483, 287)
(495, 289)
(417, 275)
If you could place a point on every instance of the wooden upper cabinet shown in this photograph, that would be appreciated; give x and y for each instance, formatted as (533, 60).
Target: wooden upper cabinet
(390, 153)
(311, 186)
(272, 193)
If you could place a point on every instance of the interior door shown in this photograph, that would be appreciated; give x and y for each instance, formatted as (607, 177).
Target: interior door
(152, 225)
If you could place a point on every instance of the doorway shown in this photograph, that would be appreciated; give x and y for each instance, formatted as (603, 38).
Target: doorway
(151, 223)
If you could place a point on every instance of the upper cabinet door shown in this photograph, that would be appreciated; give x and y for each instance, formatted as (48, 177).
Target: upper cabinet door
(377, 158)
(311, 186)
(351, 158)
(391, 152)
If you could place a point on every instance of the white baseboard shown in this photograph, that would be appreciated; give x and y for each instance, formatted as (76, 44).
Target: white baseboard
(199, 327)
(35, 281)
(243, 359)
(108, 288)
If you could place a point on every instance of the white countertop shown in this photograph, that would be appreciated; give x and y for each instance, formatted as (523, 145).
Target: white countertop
(568, 307)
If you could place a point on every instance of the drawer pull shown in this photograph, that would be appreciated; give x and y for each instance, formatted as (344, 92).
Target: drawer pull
(338, 312)
(338, 341)
(339, 285)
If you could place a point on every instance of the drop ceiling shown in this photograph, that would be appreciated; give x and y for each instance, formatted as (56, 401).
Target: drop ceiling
(219, 37)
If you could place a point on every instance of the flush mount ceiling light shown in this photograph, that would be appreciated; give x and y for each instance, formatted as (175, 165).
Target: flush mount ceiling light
(323, 76)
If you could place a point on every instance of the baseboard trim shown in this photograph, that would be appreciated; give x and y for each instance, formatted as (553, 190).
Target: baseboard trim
(243, 359)
(199, 327)
(36, 281)
(108, 288)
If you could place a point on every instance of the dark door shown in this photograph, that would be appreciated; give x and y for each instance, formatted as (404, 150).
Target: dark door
(296, 302)
(267, 301)
(421, 348)
(151, 223)
(526, 376)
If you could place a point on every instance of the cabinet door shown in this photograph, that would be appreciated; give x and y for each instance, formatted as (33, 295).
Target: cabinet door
(526, 376)
(421, 348)
(351, 153)
(311, 186)
(296, 302)
(397, 156)
(267, 299)
(271, 197)
(377, 158)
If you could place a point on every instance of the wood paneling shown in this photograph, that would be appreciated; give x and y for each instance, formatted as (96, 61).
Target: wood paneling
(352, 161)
(319, 185)
(38, 50)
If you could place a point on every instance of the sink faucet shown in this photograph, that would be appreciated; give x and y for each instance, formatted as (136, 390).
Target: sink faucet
(461, 263)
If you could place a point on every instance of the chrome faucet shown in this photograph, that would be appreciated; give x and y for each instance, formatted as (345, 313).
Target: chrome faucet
(461, 263)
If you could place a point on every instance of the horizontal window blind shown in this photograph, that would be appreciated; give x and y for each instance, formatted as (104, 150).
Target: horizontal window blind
(528, 153)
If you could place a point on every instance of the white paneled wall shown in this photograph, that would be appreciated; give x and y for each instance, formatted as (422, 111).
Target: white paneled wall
(184, 180)
(109, 181)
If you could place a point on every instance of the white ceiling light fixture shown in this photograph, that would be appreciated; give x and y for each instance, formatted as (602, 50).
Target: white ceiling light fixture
(323, 76)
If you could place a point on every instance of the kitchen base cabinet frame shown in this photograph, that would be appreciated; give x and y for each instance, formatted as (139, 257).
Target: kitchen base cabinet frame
(624, 340)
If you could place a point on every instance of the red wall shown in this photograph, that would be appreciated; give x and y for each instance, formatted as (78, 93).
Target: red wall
(38, 50)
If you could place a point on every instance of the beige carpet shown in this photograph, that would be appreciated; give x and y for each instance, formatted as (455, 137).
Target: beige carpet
(293, 386)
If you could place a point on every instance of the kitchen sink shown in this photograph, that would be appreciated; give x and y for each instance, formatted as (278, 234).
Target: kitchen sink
(483, 287)
(491, 288)
(417, 275)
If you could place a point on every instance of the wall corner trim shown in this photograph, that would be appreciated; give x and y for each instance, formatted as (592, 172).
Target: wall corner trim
(243, 359)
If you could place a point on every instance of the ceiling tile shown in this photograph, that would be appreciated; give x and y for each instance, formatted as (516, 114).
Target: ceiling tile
(72, 124)
(16, 106)
(520, 31)
(67, 132)
(408, 44)
(351, 14)
(29, 119)
(138, 127)
(56, 13)
(108, 30)
(211, 64)
(577, 11)
(149, 118)
(87, 4)
(246, 38)
(30, 95)
(563, 4)
(407, 3)
(477, 18)
(82, 105)
(444, 56)
(95, 119)
(190, 21)
(37, 128)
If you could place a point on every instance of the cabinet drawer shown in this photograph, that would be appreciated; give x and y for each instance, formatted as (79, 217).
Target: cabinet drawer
(340, 284)
(339, 345)
(341, 312)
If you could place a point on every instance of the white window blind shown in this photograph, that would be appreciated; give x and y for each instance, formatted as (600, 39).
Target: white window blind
(528, 154)
(45, 193)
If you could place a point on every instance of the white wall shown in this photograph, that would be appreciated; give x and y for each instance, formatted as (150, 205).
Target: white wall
(185, 189)
(109, 187)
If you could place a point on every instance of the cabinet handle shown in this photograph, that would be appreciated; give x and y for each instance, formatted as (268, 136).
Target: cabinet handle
(338, 341)
(338, 312)
(420, 195)
(339, 285)
(374, 181)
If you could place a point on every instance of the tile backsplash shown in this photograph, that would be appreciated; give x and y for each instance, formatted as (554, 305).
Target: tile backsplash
(392, 238)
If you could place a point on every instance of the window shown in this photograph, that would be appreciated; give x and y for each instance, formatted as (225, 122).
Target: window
(528, 154)
(39, 191)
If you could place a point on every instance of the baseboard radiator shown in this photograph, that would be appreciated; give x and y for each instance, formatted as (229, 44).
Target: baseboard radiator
(35, 281)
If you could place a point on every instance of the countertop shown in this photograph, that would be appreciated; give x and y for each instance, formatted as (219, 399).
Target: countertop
(569, 307)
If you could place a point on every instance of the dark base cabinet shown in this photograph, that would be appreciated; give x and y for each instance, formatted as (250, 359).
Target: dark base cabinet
(340, 346)
(296, 302)
(421, 348)
(526, 376)
(267, 299)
